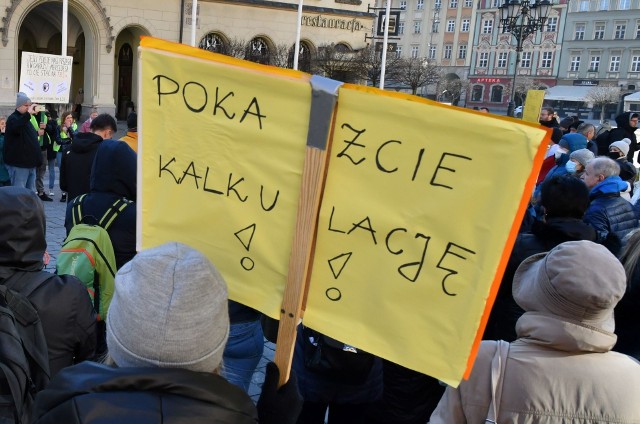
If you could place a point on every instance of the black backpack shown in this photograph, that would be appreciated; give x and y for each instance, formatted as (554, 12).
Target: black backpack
(24, 360)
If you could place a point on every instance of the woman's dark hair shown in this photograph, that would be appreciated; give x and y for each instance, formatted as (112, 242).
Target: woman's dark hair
(564, 196)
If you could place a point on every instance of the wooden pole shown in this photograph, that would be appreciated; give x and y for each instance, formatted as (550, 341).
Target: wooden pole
(320, 125)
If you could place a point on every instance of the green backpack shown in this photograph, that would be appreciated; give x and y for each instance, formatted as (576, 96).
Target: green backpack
(87, 253)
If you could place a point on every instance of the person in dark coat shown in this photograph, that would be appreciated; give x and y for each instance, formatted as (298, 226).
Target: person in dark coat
(627, 311)
(113, 176)
(75, 169)
(609, 214)
(62, 302)
(167, 328)
(564, 200)
(627, 125)
(21, 148)
(618, 151)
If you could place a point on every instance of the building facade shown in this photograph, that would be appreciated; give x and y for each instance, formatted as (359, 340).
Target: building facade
(103, 36)
(438, 31)
(601, 47)
(493, 69)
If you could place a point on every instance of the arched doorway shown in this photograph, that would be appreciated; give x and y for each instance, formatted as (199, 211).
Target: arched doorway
(126, 69)
(125, 75)
(38, 28)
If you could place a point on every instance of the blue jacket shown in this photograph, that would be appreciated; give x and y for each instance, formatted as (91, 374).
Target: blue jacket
(113, 176)
(609, 214)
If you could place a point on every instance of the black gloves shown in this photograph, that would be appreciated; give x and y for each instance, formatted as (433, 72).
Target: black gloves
(279, 406)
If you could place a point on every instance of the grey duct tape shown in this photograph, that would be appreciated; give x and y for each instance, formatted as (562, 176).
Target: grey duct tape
(324, 93)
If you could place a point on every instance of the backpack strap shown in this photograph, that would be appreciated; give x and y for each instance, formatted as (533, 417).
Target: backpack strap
(112, 213)
(26, 282)
(76, 211)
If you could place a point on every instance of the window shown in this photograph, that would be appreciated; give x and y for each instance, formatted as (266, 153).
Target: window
(604, 4)
(417, 27)
(525, 60)
(552, 24)
(420, 5)
(212, 42)
(638, 31)
(476, 93)
(502, 59)
(414, 51)
(495, 3)
(620, 30)
(635, 63)
(584, 6)
(487, 26)
(453, 4)
(483, 60)
(496, 94)
(574, 64)
(624, 4)
(465, 25)
(451, 25)
(434, 25)
(468, 3)
(598, 32)
(614, 64)
(432, 52)
(398, 52)
(462, 52)
(403, 4)
(579, 32)
(258, 51)
(400, 27)
(447, 51)
(437, 4)
(546, 59)
(594, 63)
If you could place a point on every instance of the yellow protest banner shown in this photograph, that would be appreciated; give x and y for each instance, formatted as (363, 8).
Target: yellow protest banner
(420, 208)
(419, 204)
(532, 106)
(220, 163)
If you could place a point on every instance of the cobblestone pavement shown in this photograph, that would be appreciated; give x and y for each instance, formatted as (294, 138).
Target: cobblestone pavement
(55, 214)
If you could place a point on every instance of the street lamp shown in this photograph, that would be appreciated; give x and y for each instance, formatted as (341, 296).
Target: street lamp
(521, 19)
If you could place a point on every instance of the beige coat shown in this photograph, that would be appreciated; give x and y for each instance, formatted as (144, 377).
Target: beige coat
(556, 372)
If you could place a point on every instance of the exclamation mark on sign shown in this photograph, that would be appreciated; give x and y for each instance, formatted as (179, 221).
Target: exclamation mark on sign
(246, 237)
(337, 265)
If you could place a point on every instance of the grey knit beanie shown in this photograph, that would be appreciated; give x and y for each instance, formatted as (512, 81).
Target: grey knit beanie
(21, 99)
(622, 145)
(583, 156)
(169, 310)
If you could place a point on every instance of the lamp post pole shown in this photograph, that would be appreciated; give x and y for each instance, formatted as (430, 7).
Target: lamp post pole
(521, 19)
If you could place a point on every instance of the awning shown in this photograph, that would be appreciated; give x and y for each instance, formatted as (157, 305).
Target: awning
(634, 97)
(567, 93)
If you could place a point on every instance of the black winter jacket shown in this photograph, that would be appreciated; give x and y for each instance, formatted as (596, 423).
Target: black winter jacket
(64, 306)
(544, 237)
(113, 176)
(75, 169)
(93, 393)
(627, 318)
(21, 147)
(624, 130)
(612, 217)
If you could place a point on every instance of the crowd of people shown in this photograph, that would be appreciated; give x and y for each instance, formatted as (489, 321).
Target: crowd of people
(561, 343)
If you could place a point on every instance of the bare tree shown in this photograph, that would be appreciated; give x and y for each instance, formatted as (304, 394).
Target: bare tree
(523, 85)
(371, 65)
(281, 55)
(417, 72)
(454, 87)
(236, 48)
(602, 96)
(337, 62)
